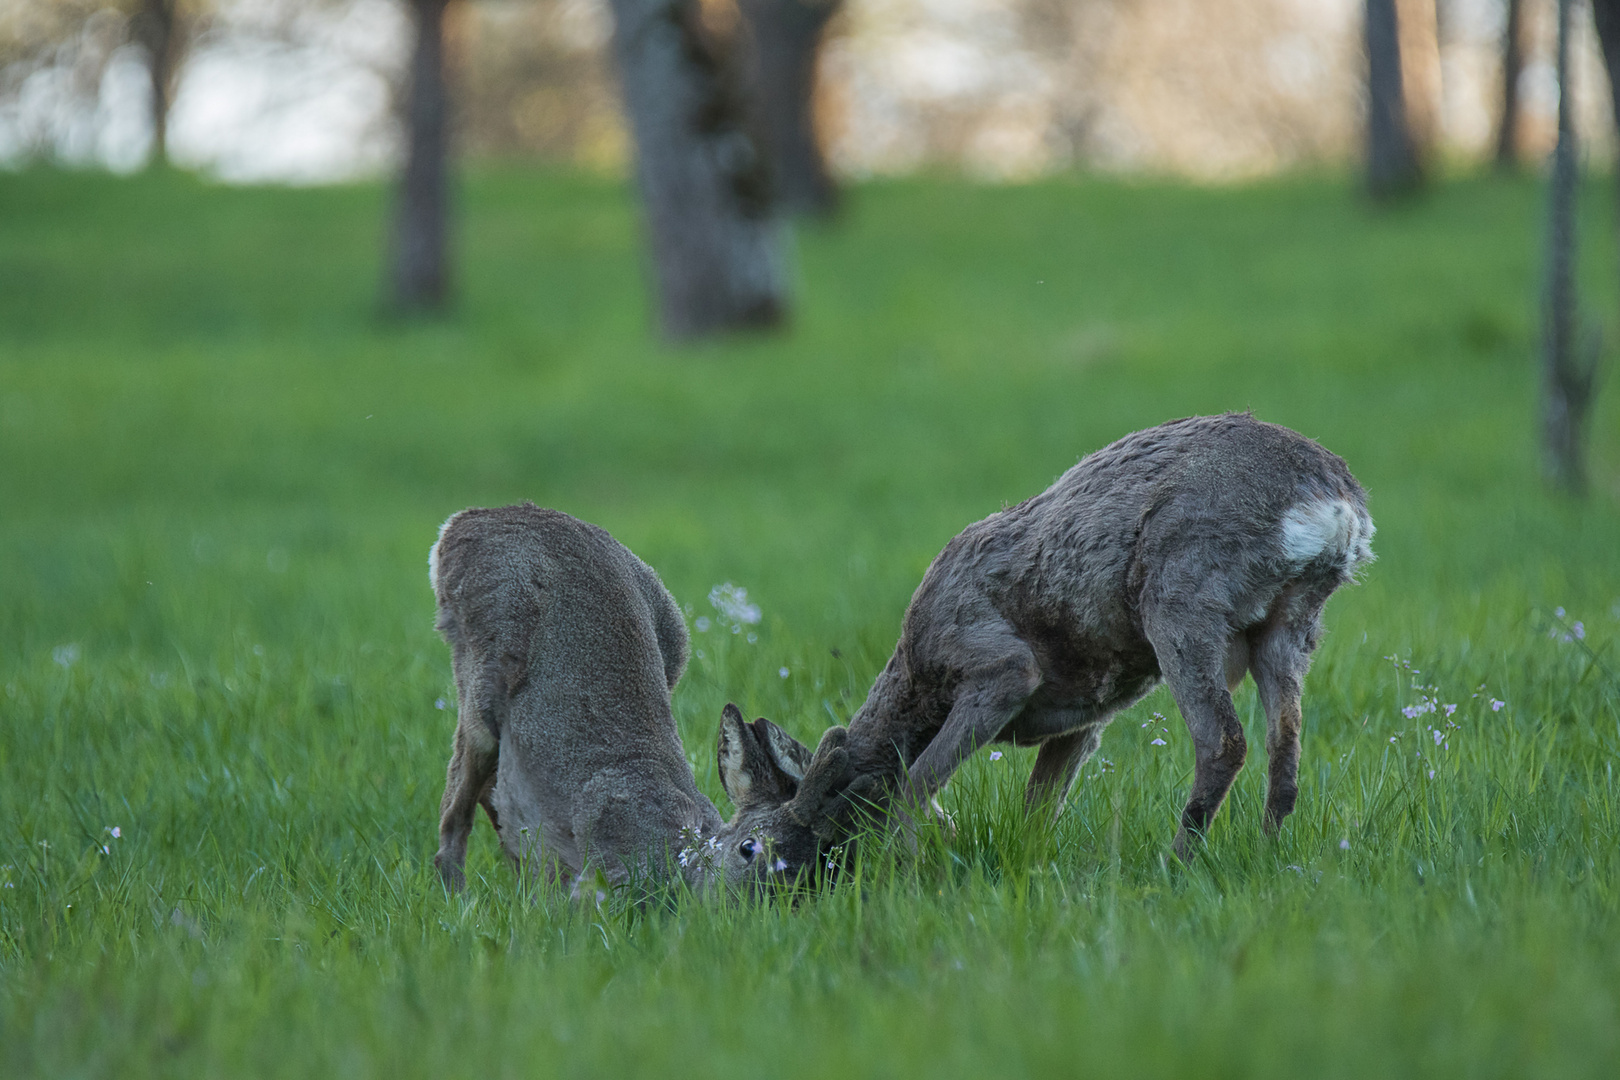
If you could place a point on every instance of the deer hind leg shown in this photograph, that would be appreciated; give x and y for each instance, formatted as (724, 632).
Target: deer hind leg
(1281, 655)
(1057, 764)
(470, 780)
(1195, 665)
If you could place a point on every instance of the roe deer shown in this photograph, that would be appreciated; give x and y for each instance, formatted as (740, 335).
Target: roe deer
(1195, 551)
(565, 648)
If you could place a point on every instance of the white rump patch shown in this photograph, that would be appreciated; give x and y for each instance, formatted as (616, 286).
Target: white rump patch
(1331, 528)
(433, 553)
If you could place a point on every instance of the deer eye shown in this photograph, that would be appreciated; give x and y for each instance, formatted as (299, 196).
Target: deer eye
(748, 849)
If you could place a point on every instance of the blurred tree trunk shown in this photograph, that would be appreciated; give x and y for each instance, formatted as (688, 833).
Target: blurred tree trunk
(1568, 366)
(156, 26)
(1392, 161)
(715, 245)
(1606, 17)
(418, 274)
(782, 41)
(1507, 131)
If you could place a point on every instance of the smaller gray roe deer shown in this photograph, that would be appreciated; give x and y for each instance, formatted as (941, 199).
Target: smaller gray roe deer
(1197, 551)
(565, 648)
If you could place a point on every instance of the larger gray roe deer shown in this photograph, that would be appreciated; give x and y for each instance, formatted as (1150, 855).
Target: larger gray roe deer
(565, 648)
(1197, 551)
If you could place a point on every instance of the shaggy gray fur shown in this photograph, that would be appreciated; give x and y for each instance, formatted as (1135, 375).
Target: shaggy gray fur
(1196, 551)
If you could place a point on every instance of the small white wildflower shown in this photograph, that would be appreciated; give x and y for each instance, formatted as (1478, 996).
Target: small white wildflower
(1431, 774)
(438, 703)
(1449, 710)
(1295, 869)
(105, 850)
(1344, 845)
(1558, 611)
(779, 865)
(995, 755)
(117, 833)
(1439, 736)
(783, 672)
(1580, 631)
(752, 637)
(732, 602)
(1394, 738)
(701, 624)
(1496, 706)
(1158, 742)
(66, 655)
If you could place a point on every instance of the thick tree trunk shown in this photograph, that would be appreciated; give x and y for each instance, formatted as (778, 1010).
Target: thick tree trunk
(782, 40)
(1507, 131)
(715, 245)
(1392, 162)
(1568, 368)
(156, 27)
(418, 271)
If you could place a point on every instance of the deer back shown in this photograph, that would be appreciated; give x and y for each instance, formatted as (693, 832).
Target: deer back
(565, 647)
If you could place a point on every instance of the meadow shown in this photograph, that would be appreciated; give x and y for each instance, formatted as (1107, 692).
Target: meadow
(223, 719)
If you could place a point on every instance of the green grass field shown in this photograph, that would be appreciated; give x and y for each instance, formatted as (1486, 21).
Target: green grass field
(220, 472)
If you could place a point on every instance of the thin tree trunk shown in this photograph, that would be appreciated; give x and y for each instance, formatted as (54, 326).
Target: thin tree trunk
(715, 244)
(1507, 131)
(419, 275)
(1392, 163)
(1568, 369)
(783, 39)
(156, 27)
(1606, 18)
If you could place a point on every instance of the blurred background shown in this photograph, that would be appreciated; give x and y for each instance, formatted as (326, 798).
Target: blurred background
(308, 91)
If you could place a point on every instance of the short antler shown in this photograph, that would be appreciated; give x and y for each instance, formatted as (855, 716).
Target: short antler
(823, 784)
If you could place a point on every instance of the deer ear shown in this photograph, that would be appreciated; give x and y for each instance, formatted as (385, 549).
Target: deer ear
(748, 766)
(788, 754)
(732, 754)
